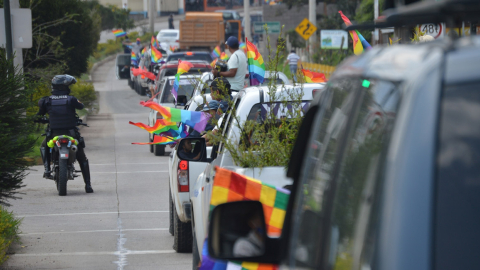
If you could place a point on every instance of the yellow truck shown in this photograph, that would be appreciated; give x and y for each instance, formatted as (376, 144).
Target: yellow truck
(206, 30)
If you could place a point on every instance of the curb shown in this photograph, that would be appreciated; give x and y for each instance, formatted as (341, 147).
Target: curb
(98, 64)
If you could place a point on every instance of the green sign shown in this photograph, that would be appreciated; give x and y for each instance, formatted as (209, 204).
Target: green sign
(273, 27)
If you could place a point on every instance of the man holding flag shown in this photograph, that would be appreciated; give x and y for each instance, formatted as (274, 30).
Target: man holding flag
(237, 65)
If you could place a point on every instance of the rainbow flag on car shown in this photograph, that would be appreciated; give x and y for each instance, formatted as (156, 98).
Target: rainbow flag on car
(359, 42)
(156, 55)
(256, 67)
(183, 67)
(216, 52)
(119, 33)
(163, 140)
(196, 120)
(313, 77)
(134, 59)
(229, 186)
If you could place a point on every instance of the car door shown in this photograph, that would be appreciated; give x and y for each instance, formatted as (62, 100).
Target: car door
(339, 204)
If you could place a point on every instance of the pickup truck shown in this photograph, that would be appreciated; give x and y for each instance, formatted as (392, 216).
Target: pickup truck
(247, 101)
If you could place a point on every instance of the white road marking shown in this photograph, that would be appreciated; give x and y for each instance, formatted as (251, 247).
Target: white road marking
(116, 253)
(114, 172)
(92, 213)
(94, 231)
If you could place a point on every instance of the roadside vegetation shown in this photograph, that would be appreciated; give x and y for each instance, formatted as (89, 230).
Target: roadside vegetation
(267, 141)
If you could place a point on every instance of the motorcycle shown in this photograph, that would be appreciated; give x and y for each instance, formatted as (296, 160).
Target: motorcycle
(62, 150)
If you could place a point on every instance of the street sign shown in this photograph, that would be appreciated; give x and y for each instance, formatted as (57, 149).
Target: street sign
(273, 27)
(21, 27)
(306, 28)
(334, 39)
(432, 29)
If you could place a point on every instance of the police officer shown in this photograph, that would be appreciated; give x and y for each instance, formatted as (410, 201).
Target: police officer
(60, 107)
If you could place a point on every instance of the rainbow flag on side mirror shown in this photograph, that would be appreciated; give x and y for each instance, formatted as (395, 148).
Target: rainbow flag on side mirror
(156, 55)
(119, 33)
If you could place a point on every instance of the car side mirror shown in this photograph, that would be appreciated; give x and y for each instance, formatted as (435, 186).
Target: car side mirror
(192, 149)
(237, 231)
(181, 100)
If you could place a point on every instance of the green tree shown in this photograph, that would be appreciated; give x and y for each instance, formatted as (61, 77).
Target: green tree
(365, 13)
(15, 140)
(65, 35)
(112, 16)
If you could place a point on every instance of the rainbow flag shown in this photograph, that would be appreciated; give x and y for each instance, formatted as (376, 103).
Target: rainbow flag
(172, 48)
(214, 62)
(229, 186)
(183, 67)
(256, 67)
(159, 140)
(359, 42)
(224, 56)
(216, 52)
(156, 55)
(153, 42)
(161, 125)
(196, 120)
(134, 59)
(142, 53)
(243, 47)
(119, 33)
(313, 77)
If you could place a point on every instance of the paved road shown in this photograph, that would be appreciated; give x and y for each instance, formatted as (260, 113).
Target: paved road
(124, 224)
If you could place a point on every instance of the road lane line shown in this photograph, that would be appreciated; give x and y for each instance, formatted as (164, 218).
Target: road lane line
(94, 231)
(92, 213)
(116, 253)
(114, 172)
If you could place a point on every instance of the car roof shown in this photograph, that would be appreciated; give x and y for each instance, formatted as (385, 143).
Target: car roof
(182, 77)
(196, 63)
(194, 52)
(170, 30)
(401, 62)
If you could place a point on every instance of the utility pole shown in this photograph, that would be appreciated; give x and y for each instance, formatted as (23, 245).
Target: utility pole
(18, 60)
(376, 11)
(152, 12)
(246, 17)
(312, 17)
(8, 29)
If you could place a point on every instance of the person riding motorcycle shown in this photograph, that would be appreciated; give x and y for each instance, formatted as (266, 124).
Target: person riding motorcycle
(60, 107)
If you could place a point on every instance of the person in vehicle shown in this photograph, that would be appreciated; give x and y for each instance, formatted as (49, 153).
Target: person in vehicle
(211, 109)
(252, 244)
(237, 65)
(186, 152)
(60, 107)
(220, 91)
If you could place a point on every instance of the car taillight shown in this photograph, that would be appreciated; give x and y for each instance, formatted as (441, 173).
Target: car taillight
(182, 176)
(176, 40)
(63, 140)
(189, 53)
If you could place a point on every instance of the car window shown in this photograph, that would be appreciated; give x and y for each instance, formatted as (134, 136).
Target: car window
(168, 34)
(183, 57)
(457, 206)
(313, 190)
(266, 81)
(185, 89)
(354, 219)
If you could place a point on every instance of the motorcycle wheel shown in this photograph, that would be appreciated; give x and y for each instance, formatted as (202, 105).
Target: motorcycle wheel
(62, 177)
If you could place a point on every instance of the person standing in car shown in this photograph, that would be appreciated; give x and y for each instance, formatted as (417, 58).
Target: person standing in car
(60, 107)
(237, 65)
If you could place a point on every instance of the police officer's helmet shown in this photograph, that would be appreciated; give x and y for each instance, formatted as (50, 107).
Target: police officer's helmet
(62, 82)
(222, 84)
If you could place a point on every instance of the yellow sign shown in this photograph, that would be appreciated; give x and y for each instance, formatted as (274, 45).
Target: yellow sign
(305, 29)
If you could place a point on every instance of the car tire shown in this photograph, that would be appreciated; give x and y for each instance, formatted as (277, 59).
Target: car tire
(182, 238)
(170, 211)
(130, 82)
(195, 254)
(159, 150)
(151, 145)
(143, 91)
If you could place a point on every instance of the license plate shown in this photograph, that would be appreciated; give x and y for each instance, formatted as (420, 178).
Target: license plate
(64, 155)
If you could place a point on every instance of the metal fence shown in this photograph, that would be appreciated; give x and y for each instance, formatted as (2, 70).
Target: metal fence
(327, 70)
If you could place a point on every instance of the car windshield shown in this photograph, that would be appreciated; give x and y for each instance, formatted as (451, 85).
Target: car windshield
(199, 57)
(194, 71)
(186, 87)
(168, 34)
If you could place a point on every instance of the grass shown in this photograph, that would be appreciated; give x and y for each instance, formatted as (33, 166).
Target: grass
(9, 230)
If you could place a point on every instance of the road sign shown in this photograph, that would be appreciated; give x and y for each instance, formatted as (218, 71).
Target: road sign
(273, 27)
(21, 27)
(306, 28)
(432, 29)
(334, 39)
